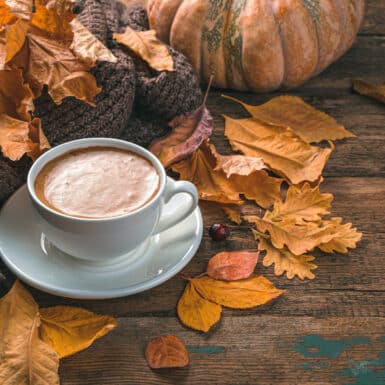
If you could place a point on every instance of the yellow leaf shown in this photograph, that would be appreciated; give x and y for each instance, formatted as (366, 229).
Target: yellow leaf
(148, 47)
(24, 358)
(19, 8)
(303, 203)
(376, 92)
(285, 153)
(243, 294)
(344, 237)
(213, 185)
(233, 214)
(196, 312)
(87, 47)
(307, 122)
(69, 330)
(286, 262)
(298, 238)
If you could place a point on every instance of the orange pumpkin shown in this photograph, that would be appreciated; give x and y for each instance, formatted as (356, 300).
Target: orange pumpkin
(258, 45)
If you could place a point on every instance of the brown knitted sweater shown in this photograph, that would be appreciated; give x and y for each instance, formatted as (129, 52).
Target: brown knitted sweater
(135, 104)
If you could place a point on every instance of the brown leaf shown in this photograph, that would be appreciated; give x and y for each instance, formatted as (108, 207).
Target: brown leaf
(344, 237)
(196, 312)
(148, 47)
(213, 185)
(286, 262)
(167, 352)
(10, 10)
(376, 92)
(39, 142)
(232, 265)
(69, 330)
(233, 214)
(307, 122)
(24, 358)
(243, 294)
(239, 164)
(285, 153)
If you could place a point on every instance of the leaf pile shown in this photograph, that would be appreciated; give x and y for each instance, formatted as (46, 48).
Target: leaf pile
(46, 46)
(33, 340)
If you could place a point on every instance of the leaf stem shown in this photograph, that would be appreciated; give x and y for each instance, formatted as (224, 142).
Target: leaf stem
(263, 235)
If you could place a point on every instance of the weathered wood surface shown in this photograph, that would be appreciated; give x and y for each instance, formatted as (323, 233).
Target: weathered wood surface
(346, 300)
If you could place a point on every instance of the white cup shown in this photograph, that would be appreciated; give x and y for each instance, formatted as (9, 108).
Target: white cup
(103, 239)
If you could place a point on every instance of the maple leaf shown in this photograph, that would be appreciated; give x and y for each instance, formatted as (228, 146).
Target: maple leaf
(69, 330)
(243, 294)
(308, 123)
(286, 262)
(24, 358)
(232, 265)
(213, 185)
(148, 47)
(376, 92)
(167, 352)
(284, 152)
(197, 312)
(233, 214)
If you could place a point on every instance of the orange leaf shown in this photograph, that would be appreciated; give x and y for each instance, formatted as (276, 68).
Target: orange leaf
(213, 185)
(167, 352)
(243, 294)
(239, 164)
(233, 214)
(367, 89)
(308, 123)
(196, 312)
(69, 330)
(232, 265)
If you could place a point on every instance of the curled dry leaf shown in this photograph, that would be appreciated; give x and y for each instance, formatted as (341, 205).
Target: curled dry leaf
(24, 358)
(232, 265)
(197, 312)
(167, 352)
(239, 164)
(243, 294)
(69, 330)
(233, 214)
(367, 89)
(213, 185)
(146, 45)
(285, 152)
(286, 262)
(308, 123)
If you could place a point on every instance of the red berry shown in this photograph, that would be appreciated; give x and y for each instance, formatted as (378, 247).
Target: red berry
(219, 232)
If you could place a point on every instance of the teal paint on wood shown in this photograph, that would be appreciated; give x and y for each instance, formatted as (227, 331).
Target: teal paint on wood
(206, 349)
(315, 345)
(313, 365)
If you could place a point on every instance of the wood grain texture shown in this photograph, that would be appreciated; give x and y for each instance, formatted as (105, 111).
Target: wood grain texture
(345, 301)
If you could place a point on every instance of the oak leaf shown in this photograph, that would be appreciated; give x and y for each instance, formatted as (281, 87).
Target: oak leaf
(286, 262)
(376, 92)
(24, 358)
(167, 352)
(243, 294)
(146, 45)
(69, 330)
(213, 185)
(197, 312)
(285, 152)
(307, 122)
(233, 214)
(232, 265)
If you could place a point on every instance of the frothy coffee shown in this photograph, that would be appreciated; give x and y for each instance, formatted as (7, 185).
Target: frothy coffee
(97, 182)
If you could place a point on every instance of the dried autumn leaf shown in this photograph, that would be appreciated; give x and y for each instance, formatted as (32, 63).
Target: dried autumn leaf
(344, 237)
(148, 47)
(243, 294)
(303, 203)
(239, 164)
(376, 92)
(39, 142)
(286, 262)
(197, 312)
(10, 10)
(24, 358)
(188, 132)
(233, 214)
(69, 330)
(285, 153)
(232, 265)
(167, 352)
(308, 123)
(213, 185)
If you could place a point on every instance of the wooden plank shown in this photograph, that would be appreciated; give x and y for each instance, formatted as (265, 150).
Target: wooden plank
(260, 350)
(374, 22)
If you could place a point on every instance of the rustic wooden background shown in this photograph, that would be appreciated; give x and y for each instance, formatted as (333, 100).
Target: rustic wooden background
(327, 331)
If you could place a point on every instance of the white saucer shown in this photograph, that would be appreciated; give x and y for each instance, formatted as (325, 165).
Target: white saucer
(34, 260)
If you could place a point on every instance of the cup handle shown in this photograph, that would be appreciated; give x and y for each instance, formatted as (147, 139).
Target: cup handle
(172, 188)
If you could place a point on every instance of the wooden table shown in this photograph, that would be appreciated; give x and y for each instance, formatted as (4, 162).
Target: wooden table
(327, 331)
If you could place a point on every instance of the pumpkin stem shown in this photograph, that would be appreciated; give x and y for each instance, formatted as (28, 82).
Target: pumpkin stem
(208, 89)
